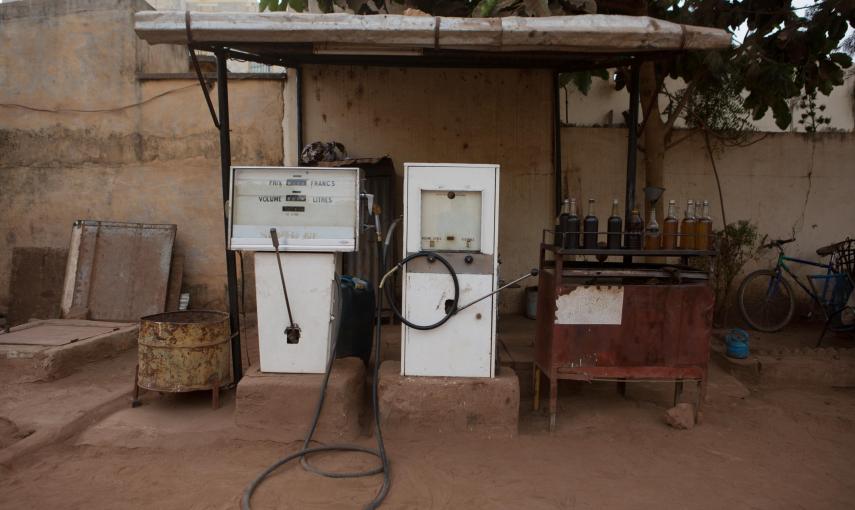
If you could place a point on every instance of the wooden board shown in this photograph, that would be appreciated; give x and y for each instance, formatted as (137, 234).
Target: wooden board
(36, 283)
(117, 271)
(53, 334)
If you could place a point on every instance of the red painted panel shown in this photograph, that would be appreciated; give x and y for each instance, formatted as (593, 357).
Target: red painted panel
(661, 326)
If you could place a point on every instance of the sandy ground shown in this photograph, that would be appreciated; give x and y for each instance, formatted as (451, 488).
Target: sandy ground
(769, 449)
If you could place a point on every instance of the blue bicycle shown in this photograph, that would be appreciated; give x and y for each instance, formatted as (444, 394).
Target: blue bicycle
(766, 298)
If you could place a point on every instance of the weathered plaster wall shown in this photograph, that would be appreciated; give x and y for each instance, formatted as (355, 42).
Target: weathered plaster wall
(788, 183)
(442, 115)
(152, 156)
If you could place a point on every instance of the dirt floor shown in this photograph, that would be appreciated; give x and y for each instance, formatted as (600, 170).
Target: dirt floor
(754, 449)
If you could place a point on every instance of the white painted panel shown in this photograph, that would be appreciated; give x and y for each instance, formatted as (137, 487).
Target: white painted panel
(312, 209)
(590, 305)
(450, 177)
(463, 346)
(310, 279)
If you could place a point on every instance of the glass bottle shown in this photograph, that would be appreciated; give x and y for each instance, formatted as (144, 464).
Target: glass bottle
(652, 239)
(561, 224)
(634, 231)
(670, 227)
(571, 234)
(703, 241)
(614, 227)
(591, 227)
(687, 228)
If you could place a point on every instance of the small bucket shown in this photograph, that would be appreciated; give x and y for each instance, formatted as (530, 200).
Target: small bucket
(531, 302)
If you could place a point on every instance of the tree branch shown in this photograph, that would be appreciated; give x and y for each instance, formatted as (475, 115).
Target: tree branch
(681, 139)
(681, 104)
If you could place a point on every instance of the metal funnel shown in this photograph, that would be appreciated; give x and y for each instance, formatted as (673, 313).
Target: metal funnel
(653, 193)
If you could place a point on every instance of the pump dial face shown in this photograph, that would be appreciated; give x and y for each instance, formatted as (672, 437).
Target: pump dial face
(451, 220)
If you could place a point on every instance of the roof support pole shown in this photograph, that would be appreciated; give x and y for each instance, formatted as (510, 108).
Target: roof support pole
(556, 140)
(632, 145)
(299, 86)
(225, 170)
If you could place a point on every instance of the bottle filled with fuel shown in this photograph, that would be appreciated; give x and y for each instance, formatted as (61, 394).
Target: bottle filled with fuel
(670, 227)
(634, 231)
(703, 241)
(561, 224)
(615, 225)
(687, 228)
(571, 237)
(591, 226)
(652, 239)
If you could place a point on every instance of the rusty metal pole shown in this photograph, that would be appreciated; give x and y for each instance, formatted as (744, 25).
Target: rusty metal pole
(225, 170)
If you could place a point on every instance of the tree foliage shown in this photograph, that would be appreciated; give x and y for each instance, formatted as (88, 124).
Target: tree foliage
(787, 50)
(462, 8)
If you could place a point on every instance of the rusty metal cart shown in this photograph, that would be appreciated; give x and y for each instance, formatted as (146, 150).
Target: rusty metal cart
(645, 322)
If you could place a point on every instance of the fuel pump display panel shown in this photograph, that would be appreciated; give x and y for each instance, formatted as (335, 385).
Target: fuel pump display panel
(451, 220)
(312, 209)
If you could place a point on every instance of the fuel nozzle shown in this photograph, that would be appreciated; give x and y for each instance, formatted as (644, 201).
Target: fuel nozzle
(374, 209)
(292, 334)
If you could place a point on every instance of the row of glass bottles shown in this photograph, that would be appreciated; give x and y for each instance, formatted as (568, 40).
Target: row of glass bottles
(694, 233)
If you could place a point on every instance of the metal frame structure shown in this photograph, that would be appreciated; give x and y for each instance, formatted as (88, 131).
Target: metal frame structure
(297, 55)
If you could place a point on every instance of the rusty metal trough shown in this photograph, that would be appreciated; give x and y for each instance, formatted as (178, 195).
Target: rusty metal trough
(184, 351)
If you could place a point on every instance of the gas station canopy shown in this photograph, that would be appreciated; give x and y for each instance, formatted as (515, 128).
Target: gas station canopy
(291, 39)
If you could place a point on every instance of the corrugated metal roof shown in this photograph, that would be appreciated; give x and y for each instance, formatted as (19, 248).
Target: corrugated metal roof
(303, 37)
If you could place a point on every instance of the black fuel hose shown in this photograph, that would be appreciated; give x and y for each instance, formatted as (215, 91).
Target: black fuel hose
(450, 309)
(380, 452)
(302, 454)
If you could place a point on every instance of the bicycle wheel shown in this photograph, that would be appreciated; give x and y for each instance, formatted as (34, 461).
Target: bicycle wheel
(766, 301)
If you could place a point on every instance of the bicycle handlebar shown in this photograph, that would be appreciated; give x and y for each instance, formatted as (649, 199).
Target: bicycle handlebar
(777, 243)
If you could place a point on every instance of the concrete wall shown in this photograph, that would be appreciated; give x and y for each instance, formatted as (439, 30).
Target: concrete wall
(789, 184)
(150, 154)
(602, 106)
(441, 115)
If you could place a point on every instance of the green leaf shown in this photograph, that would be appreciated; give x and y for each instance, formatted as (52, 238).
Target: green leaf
(326, 6)
(298, 5)
(841, 59)
(486, 8)
(782, 114)
(582, 81)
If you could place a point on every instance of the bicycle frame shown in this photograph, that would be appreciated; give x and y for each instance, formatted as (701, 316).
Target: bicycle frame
(781, 264)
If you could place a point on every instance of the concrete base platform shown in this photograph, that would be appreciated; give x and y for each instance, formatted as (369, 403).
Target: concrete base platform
(279, 407)
(44, 350)
(418, 406)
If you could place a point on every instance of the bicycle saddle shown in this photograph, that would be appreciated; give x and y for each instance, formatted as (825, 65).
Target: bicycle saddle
(828, 250)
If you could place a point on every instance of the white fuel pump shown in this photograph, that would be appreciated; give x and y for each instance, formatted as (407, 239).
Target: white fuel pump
(306, 217)
(451, 210)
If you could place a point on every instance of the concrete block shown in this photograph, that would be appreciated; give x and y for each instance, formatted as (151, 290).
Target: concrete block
(419, 406)
(279, 407)
(46, 362)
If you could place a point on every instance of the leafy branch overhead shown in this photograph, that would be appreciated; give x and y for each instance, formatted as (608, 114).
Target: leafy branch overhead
(461, 8)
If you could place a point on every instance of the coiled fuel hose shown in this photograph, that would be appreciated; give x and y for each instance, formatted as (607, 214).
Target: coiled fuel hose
(380, 451)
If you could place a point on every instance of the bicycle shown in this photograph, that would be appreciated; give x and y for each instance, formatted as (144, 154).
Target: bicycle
(766, 298)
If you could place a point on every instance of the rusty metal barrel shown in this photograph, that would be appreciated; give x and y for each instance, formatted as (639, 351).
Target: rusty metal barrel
(184, 351)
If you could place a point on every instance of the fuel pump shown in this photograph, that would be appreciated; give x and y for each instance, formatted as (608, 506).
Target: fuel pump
(451, 230)
(298, 221)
